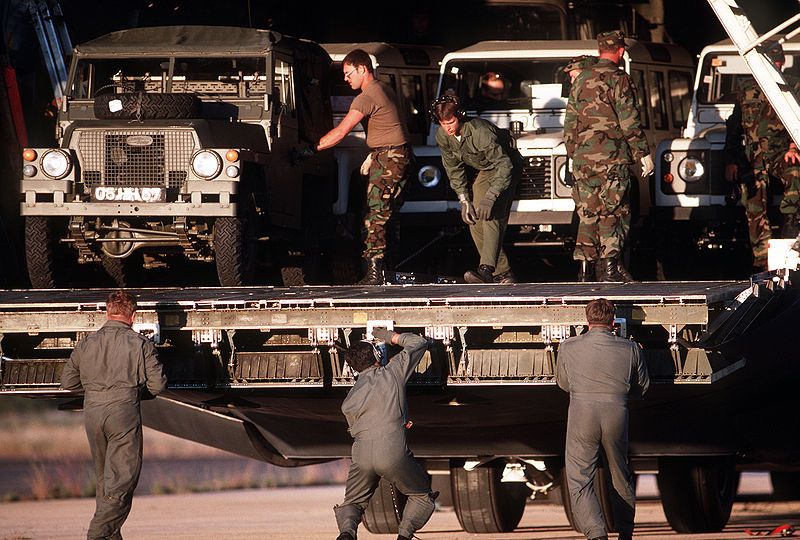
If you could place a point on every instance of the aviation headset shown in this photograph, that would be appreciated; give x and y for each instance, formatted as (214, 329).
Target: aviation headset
(447, 98)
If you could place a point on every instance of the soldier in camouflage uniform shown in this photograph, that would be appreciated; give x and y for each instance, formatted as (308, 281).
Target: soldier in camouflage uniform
(477, 144)
(388, 161)
(604, 138)
(771, 152)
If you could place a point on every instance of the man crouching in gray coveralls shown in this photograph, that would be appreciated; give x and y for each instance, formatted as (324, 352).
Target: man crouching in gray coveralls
(114, 366)
(377, 413)
(600, 371)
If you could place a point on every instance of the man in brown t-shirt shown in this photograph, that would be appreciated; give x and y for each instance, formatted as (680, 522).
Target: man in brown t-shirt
(388, 161)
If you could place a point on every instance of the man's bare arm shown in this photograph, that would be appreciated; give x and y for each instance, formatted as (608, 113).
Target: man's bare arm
(334, 136)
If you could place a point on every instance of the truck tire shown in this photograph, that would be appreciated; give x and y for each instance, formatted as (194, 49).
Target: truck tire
(785, 485)
(230, 252)
(121, 271)
(40, 252)
(380, 516)
(603, 488)
(697, 494)
(484, 504)
(144, 106)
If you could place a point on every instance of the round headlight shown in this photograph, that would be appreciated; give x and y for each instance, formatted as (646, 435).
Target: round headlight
(562, 173)
(56, 164)
(206, 164)
(429, 176)
(691, 169)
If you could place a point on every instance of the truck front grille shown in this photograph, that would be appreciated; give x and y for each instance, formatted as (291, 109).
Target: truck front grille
(535, 182)
(135, 158)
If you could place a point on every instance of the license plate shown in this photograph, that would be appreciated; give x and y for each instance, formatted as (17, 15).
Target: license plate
(129, 194)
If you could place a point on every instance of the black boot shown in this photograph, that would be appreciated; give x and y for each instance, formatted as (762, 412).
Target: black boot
(586, 271)
(401, 537)
(790, 228)
(345, 536)
(484, 274)
(626, 276)
(374, 273)
(505, 278)
(608, 270)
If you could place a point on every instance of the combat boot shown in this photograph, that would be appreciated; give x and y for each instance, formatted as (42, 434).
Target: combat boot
(608, 270)
(345, 536)
(790, 228)
(505, 278)
(484, 274)
(374, 273)
(586, 271)
(626, 276)
(401, 537)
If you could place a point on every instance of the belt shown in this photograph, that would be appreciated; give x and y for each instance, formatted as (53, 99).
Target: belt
(387, 148)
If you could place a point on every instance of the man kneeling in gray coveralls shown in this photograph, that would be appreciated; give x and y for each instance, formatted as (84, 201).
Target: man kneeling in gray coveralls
(600, 371)
(377, 413)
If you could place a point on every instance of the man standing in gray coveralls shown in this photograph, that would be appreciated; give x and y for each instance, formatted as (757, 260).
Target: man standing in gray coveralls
(600, 371)
(114, 366)
(376, 409)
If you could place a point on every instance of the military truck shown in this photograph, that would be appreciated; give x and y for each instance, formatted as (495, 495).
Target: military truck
(693, 202)
(533, 109)
(184, 143)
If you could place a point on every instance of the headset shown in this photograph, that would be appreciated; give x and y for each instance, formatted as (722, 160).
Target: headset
(447, 98)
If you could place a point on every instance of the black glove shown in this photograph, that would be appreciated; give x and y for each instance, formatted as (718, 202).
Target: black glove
(468, 214)
(382, 334)
(484, 209)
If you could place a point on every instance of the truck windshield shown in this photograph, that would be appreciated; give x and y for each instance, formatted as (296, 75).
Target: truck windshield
(722, 75)
(219, 77)
(506, 84)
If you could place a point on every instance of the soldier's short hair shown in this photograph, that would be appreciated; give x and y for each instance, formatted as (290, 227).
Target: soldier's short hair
(446, 107)
(359, 57)
(600, 311)
(610, 41)
(121, 303)
(360, 356)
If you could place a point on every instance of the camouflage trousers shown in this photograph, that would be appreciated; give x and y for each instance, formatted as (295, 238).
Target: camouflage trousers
(387, 178)
(754, 200)
(790, 178)
(604, 217)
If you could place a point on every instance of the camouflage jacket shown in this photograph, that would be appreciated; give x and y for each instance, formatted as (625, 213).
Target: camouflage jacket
(483, 147)
(602, 127)
(753, 118)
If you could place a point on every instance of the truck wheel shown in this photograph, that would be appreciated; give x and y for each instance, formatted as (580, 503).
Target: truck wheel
(484, 504)
(120, 271)
(144, 106)
(785, 485)
(603, 487)
(697, 494)
(39, 252)
(233, 253)
(380, 516)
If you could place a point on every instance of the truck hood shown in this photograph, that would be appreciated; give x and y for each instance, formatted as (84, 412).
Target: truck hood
(547, 140)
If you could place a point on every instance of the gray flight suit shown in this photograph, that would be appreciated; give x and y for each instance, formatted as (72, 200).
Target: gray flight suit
(600, 371)
(114, 366)
(376, 409)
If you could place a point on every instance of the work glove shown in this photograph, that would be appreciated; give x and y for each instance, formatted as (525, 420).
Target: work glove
(484, 208)
(364, 170)
(382, 334)
(647, 166)
(468, 215)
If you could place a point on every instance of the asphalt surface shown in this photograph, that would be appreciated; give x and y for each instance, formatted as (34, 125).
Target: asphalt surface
(305, 513)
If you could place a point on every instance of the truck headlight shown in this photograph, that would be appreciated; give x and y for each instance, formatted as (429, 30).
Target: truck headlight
(56, 164)
(691, 169)
(206, 164)
(429, 176)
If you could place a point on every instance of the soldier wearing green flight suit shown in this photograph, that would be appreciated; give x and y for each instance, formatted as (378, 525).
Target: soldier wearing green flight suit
(771, 152)
(389, 158)
(115, 367)
(604, 138)
(478, 145)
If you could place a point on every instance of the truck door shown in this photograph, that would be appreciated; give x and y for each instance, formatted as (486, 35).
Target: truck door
(284, 176)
